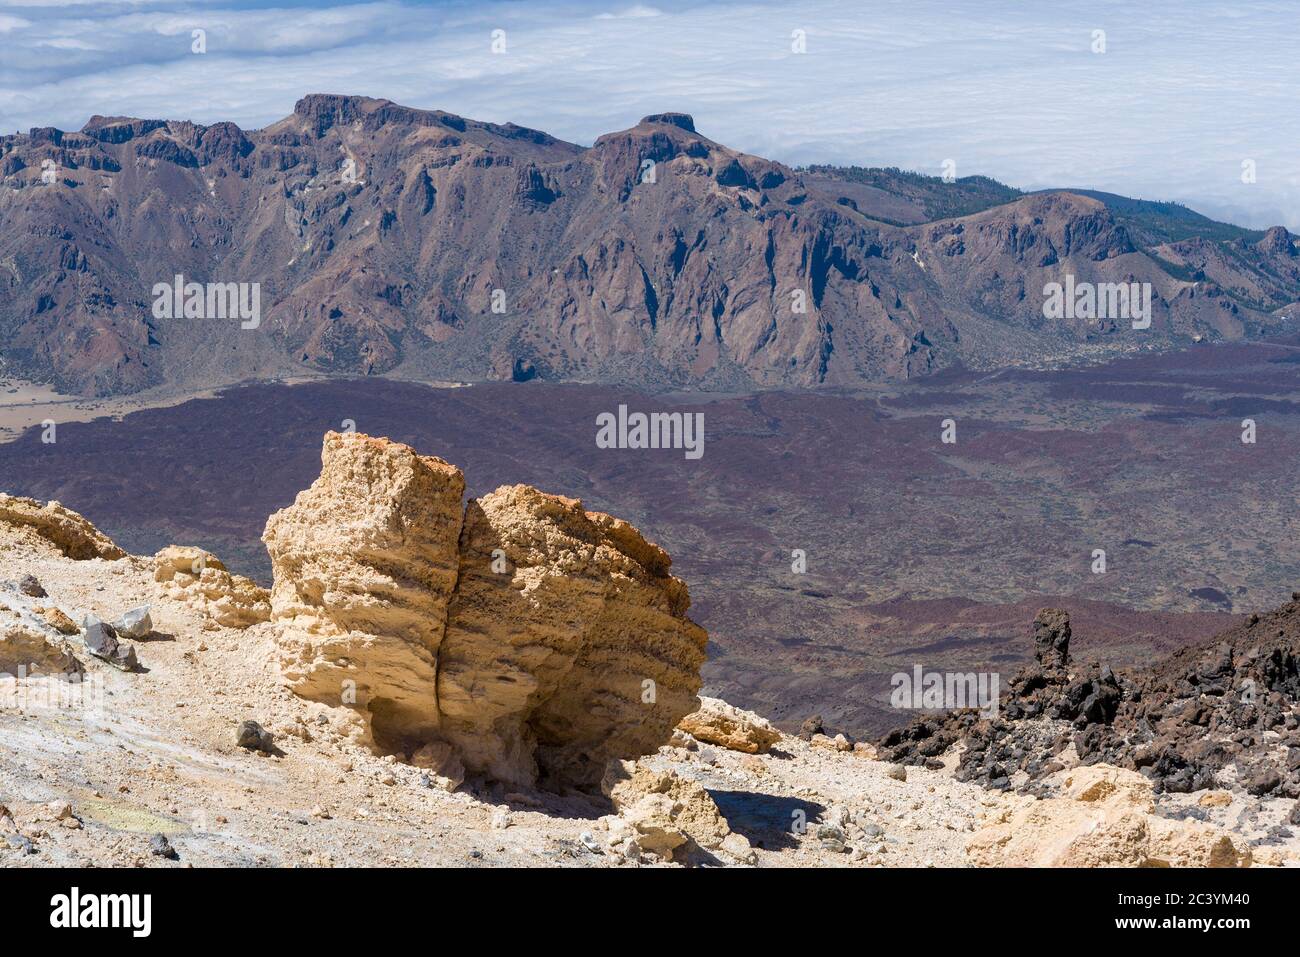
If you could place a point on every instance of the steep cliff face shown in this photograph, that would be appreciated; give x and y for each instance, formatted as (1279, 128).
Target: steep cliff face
(538, 639)
(384, 238)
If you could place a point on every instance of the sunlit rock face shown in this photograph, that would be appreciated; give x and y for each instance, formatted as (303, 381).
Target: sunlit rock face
(538, 639)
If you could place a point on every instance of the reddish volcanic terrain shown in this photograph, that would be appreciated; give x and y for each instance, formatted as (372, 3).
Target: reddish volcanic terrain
(388, 240)
(918, 552)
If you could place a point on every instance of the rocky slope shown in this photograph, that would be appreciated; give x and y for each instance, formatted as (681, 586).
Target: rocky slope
(392, 240)
(1210, 717)
(170, 728)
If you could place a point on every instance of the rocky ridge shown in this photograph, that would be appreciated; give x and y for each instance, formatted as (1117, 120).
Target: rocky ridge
(390, 240)
(1209, 717)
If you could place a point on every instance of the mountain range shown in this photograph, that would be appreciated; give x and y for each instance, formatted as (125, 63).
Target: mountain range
(419, 244)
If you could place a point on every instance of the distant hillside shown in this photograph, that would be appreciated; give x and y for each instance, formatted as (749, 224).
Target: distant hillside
(374, 239)
(1153, 223)
(931, 196)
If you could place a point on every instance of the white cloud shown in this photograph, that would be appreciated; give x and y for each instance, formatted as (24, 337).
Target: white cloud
(1184, 92)
(65, 43)
(631, 13)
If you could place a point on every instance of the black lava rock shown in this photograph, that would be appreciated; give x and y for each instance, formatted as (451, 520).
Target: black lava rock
(29, 586)
(161, 847)
(254, 737)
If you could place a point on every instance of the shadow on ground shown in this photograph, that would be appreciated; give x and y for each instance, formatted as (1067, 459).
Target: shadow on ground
(768, 820)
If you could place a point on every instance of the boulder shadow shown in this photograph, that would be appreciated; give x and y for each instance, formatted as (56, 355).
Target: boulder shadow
(571, 804)
(767, 820)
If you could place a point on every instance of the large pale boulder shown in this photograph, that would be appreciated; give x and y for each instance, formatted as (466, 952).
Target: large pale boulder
(197, 578)
(68, 531)
(671, 815)
(537, 639)
(1103, 818)
(727, 726)
(24, 649)
(365, 561)
(567, 643)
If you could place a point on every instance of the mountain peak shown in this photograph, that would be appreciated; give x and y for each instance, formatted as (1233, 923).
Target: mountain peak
(324, 110)
(1277, 240)
(119, 129)
(314, 104)
(682, 120)
(378, 232)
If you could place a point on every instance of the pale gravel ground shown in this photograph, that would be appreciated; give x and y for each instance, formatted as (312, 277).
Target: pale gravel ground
(25, 404)
(161, 757)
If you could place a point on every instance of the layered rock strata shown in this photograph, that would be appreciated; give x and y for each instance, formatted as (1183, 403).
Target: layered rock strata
(537, 639)
(72, 534)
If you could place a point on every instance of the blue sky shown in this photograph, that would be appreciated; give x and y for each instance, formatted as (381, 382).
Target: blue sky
(1184, 93)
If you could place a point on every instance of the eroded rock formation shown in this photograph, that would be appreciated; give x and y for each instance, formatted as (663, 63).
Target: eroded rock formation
(671, 815)
(1103, 818)
(730, 727)
(68, 531)
(25, 648)
(365, 562)
(198, 578)
(538, 639)
(1052, 638)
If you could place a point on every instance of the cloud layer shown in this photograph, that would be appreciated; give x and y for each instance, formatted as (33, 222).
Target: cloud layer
(1184, 93)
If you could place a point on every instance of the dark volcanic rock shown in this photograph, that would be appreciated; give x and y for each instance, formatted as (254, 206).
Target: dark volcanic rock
(682, 120)
(161, 847)
(811, 726)
(102, 642)
(20, 843)
(1201, 710)
(29, 586)
(1052, 638)
(1263, 780)
(254, 737)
